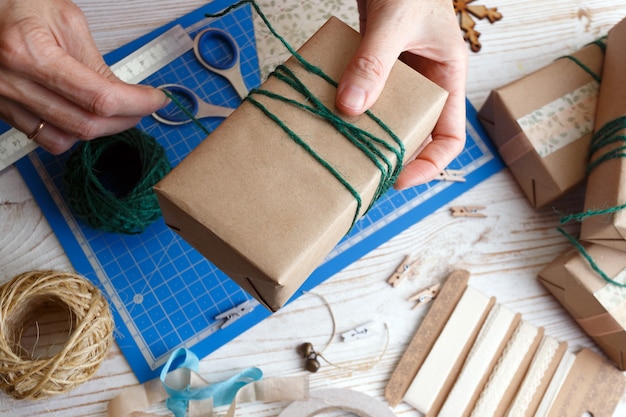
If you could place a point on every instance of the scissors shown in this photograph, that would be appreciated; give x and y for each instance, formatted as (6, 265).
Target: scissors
(184, 98)
(204, 43)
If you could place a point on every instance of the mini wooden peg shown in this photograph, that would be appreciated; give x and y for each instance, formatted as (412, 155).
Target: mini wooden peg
(454, 175)
(229, 316)
(467, 211)
(401, 272)
(426, 295)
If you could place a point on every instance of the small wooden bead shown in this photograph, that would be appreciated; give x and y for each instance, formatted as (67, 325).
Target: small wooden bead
(306, 350)
(312, 365)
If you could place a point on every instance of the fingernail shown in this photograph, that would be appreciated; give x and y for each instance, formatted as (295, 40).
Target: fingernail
(353, 97)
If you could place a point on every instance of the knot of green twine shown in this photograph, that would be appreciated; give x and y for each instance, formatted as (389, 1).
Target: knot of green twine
(366, 142)
(108, 181)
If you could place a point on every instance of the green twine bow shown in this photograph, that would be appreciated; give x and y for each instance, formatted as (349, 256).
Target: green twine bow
(367, 143)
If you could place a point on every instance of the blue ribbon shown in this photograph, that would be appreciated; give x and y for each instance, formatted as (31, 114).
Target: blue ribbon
(222, 393)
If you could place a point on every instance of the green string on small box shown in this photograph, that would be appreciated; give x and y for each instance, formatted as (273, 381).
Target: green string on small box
(592, 263)
(604, 136)
(108, 181)
(600, 43)
(367, 143)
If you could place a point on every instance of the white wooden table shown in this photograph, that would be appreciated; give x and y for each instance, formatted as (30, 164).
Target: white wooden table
(503, 251)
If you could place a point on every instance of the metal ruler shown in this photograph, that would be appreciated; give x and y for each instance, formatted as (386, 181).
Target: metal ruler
(132, 69)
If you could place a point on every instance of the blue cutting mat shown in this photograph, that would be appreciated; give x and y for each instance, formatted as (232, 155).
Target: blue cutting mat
(163, 293)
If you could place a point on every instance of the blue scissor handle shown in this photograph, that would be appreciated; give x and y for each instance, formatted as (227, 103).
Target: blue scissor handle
(165, 115)
(231, 69)
(174, 115)
(210, 34)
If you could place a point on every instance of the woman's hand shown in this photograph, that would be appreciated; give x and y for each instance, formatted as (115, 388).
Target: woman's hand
(426, 35)
(54, 83)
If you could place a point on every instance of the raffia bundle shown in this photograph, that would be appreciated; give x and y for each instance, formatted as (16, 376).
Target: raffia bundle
(31, 296)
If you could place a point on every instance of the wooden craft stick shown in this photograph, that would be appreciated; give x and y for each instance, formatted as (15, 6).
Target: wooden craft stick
(445, 360)
(426, 335)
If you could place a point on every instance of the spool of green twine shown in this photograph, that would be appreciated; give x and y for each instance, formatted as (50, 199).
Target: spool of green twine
(108, 181)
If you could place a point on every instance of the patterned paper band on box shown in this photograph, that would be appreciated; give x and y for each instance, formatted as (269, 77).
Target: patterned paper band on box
(613, 299)
(563, 121)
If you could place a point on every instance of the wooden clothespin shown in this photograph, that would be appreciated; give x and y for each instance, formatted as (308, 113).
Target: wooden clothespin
(401, 271)
(454, 175)
(467, 211)
(426, 295)
(229, 316)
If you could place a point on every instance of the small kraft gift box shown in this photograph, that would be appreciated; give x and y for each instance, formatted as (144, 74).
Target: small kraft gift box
(542, 123)
(604, 218)
(274, 188)
(597, 304)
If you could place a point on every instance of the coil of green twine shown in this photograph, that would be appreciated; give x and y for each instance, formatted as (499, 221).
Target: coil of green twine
(108, 181)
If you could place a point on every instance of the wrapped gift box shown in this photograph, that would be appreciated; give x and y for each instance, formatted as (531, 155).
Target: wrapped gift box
(597, 305)
(542, 124)
(606, 186)
(259, 206)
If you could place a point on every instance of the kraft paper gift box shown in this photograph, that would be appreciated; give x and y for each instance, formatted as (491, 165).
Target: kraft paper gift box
(542, 124)
(606, 185)
(597, 305)
(258, 205)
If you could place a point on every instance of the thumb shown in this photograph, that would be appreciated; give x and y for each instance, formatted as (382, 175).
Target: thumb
(366, 73)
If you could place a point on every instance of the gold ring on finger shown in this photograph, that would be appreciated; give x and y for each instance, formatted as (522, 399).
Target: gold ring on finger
(37, 130)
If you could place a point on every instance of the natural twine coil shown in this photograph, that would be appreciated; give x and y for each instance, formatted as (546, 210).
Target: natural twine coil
(27, 298)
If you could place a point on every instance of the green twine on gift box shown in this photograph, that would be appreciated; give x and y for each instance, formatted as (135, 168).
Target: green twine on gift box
(367, 143)
(108, 181)
(606, 135)
(600, 43)
(592, 263)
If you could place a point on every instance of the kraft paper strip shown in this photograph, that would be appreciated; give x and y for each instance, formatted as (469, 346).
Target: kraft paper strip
(184, 390)
(505, 370)
(555, 384)
(600, 325)
(515, 148)
(327, 400)
(563, 121)
(476, 368)
(426, 336)
(431, 377)
(536, 373)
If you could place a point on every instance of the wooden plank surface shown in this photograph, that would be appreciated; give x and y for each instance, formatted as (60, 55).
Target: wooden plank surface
(503, 251)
